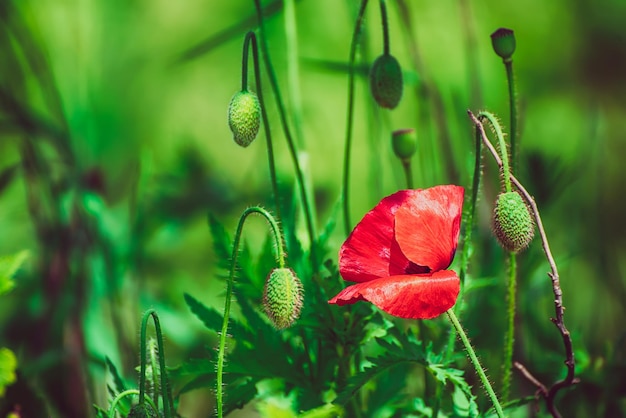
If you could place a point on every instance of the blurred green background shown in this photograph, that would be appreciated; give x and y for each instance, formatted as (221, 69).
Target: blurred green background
(114, 146)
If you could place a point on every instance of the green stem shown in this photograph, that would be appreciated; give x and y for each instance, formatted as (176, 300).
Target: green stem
(166, 394)
(291, 41)
(385, 22)
(346, 157)
(122, 395)
(510, 334)
(292, 149)
(280, 258)
(251, 39)
(479, 369)
(513, 112)
(406, 165)
(506, 171)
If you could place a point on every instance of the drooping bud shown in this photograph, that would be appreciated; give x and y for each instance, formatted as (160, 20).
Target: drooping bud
(513, 225)
(386, 81)
(244, 117)
(404, 143)
(282, 297)
(503, 42)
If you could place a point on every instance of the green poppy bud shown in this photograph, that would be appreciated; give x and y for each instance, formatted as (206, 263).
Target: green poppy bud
(513, 225)
(244, 117)
(503, 41)
(282, 297)
(386, 81)
(404, 143)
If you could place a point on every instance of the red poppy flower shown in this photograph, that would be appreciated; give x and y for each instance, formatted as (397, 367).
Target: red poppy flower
(400, 251)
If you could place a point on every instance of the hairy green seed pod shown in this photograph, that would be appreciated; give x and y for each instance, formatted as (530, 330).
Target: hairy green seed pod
(386, 81)
(503, 42)
(404, 143)
(513, 225)
(244, 117)
(282, 297)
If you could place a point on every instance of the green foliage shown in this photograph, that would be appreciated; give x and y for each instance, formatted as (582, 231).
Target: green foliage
(8, 365)
(9, 265)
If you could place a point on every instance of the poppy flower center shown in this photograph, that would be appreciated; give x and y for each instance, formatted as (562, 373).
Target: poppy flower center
(413, 268)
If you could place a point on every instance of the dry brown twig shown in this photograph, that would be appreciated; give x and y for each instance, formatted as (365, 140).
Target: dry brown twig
(548, 393)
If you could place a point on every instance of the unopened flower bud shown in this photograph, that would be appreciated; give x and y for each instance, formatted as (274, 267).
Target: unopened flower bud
(404, 143)
(244, 117)
(503, 41)
(386, 81)
(513, 225)
(282, 297)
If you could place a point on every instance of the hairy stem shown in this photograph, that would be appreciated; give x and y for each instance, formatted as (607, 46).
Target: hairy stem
(479, 369)
(280, 258)
(506, 171)
(166, 394)
(510, 332)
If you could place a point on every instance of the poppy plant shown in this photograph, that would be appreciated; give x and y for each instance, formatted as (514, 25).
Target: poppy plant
(399, 252)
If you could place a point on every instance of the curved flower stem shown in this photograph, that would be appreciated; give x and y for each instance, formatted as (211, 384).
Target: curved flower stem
(549, 394)
(479, 369)
(346, 156)
(506, 171)
(166, 394)
(122, 395)
(512, 270)
(292, 149)
(280, 259)
(251, 39)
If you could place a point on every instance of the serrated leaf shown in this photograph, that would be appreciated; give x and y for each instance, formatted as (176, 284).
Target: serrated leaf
(211, 318)
(117, 378)
(221, 241)
(8, 365)
(9, 264)
(356, 382)
(239, 394)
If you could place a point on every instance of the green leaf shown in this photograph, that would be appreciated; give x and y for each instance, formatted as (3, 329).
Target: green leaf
(324, 411)
(221, 241)
(118, 381)
(8, 365)
(9, 264)
(211, 318)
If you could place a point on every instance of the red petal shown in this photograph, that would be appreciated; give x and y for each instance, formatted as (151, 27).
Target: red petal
(417, 296)
(427, 226)
(366, 254)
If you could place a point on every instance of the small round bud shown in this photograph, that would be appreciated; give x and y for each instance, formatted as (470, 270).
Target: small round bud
(503, 41)
(513, 225)
(282, 297)
(386, 81)
(244, 117)
(404, 143)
